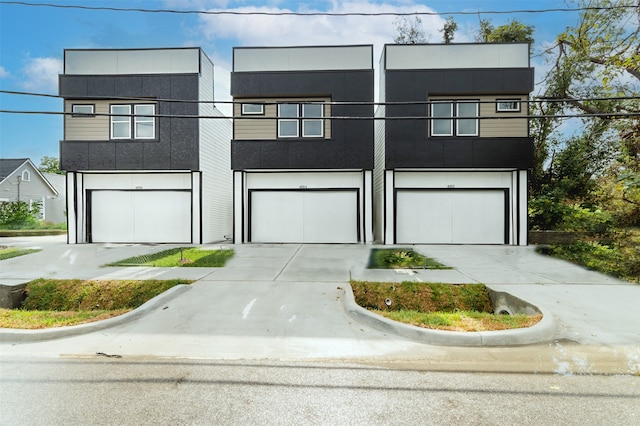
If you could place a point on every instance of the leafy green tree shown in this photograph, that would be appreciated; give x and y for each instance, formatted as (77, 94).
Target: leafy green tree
(595, 72)
(50, 165)
(514, 31)
(448, 30)
(409, 32)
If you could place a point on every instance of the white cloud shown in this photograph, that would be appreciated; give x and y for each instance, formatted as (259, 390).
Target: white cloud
(41, 74)
(3, 72)
(261, 30)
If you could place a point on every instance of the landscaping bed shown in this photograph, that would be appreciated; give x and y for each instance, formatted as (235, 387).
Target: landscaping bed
(56, 303)
(180, 256)
(453, 307)
(401, 258)
(9, 252)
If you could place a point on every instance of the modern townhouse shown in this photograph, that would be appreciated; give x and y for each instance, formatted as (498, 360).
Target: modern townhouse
(453, 153)
(303, 140)
(145, 149)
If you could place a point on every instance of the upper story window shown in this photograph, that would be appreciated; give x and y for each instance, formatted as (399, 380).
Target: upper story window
(508, 105)
(300, 120)
(83, 110)
(252, 109)
(448, 118)
(26, 176)
(139, 125)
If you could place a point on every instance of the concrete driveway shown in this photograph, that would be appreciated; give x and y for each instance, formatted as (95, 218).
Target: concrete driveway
(286, 302)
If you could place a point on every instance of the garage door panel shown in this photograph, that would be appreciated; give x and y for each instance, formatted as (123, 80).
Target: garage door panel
(141, 216)
(277, 210)
(330, 217)
(416, 216)
(450, 217)
(478, 217)
(304, 216)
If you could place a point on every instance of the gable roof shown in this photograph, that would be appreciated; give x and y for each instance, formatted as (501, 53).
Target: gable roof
(8, 166)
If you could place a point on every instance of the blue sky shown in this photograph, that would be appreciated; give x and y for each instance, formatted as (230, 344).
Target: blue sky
(32, 40)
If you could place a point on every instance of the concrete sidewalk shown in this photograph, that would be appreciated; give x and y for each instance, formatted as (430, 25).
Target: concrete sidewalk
(287, 302)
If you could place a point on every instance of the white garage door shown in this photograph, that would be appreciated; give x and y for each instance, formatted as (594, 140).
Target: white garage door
(450, 217)
(140, 217)
(304, 216)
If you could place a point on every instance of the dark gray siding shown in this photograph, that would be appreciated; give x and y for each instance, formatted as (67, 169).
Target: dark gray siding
(407, 141)
(351, 143)
(176, 145)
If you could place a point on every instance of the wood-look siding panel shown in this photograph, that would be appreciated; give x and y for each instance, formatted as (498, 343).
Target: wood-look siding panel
(500, 127)
(506, 127)
(87, 128)
(257, 127)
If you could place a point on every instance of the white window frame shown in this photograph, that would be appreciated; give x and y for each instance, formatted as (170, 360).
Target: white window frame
(76, 110)
(455, 118)
(132, 121)
(314, 119)
(501, 104)
(450, 119)
(119, 119)
(301, 122)
(25, 176)
(144, 119)
(252, 109)
(288, 119)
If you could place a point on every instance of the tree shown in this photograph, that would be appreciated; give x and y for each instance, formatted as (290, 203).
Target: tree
(409, 32)
(50, 165)
(514, 31)
(448, 30)
(595, 70)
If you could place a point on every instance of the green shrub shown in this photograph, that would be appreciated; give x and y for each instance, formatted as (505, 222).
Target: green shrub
(401, 258)
(18, 214)
(582, 219)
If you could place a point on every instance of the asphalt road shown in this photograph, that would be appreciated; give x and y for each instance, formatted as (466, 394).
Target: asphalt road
(145, 391)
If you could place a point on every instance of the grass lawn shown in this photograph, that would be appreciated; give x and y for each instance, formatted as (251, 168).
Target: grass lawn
(462, 320)
(181, 256)
(57, 303)
(9, 252)
(453, 307)
(401, 258)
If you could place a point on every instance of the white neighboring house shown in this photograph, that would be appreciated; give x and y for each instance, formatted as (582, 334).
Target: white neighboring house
(20, 180)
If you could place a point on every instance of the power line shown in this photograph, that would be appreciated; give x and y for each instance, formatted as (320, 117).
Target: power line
(338, 14)
(608, 115)
(533, 100)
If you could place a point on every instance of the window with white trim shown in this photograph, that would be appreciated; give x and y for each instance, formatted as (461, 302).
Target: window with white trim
(252, 109)
(448, 118)
(83, 110)
(26, 176)
(140, 125)
(300, 120)
(144, 121)
(508, 105)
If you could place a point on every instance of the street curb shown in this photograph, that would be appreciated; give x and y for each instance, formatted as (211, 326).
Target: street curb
(10, 335)
(544, 331)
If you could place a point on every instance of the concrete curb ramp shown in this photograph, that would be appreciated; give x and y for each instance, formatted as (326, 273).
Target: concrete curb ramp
(543, 331)
(19, 336)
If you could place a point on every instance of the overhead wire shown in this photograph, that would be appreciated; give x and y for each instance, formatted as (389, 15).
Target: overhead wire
(314, 13)
(535, 99)
(609, 115)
